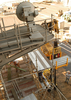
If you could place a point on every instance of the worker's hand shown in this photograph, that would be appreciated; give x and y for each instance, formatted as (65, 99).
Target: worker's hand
(64, 73)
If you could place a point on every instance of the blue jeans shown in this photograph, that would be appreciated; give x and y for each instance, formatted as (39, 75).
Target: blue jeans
(67, 80)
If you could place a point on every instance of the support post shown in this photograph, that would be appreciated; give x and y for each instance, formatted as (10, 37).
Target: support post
(67, 62)
(55, 76)
(56, 65)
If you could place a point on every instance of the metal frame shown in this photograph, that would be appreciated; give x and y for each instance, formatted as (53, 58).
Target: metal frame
(15, 85)
(7, 96)
(9, 54)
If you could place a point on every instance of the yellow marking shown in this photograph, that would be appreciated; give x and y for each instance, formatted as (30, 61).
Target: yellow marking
(61, 65)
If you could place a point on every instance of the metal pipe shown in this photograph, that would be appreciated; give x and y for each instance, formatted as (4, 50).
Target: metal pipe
(16, 35)
(19, 78)
(59, 95)
(20, 38)
(51, 20)
(14, 42)
(42, 20)
(52, 75)
(24, 47)
(44, 94)
(4, 86)
(25, 23)
(1, 29)
(11, 50)
(60, 92)
(16, 89)
(4, 26)
(7, 38)
(11, 25)
(4, 38)
(46, 32)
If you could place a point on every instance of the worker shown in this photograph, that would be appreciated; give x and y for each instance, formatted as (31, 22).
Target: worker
(68, 75)
(40, 76)
(16, 63)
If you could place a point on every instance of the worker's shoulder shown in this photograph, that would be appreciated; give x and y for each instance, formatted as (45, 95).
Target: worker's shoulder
(15, 61)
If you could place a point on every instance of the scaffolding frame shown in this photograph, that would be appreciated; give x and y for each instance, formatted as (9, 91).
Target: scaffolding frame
(21, 46)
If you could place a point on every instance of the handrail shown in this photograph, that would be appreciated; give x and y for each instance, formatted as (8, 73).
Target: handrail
(56, 67)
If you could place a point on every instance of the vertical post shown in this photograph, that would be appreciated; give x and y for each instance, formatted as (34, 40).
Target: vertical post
(67, 62)
(60, 54)
(3, 24)
(4, 86)
(50, 57)
(1, 29)
(52, 64)
(36, 66)
(51, 21)
(56, 65)
(45, 31)
(19, 37)
(52, 78)
(15, 27)
(55, 76)
(4, 27)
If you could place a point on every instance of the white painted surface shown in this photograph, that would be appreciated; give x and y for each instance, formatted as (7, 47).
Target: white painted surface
(29, 97)
(61, 60)
(40, 60)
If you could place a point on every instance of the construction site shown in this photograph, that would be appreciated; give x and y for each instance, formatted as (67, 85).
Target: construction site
(35, 50)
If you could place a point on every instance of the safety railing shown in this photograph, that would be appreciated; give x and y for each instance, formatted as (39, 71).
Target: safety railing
(16, 33)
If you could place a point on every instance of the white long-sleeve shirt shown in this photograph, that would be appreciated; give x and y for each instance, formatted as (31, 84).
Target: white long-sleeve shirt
(68, 75)
(16, 61)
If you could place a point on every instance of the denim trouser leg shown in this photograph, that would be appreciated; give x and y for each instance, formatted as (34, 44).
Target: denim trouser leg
(67, 80)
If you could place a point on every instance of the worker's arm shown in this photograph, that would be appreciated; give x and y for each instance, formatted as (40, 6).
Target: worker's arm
(70, 75)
